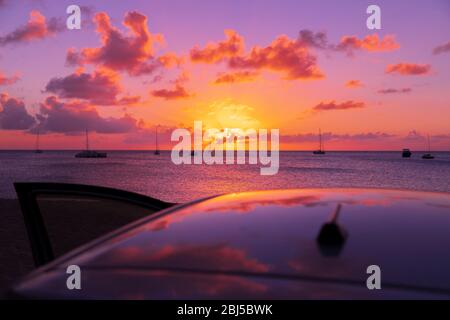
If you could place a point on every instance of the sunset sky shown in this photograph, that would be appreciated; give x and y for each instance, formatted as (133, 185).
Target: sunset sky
(293, 65)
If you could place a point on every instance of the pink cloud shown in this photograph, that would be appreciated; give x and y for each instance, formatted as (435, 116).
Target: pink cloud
(4, 80)
(178, 92)
(370, 43)
(75, 116)
(100, 88)
(36, 28)
(235, 77)
(133, 52)
(392, 90)
(13, 114)
(213, 52)
(354, 84)
(289, 57)
(442, 48)
(332, 105)
(408, 69)
(282, 55)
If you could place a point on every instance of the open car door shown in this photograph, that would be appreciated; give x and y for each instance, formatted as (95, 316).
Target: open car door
(60, 217)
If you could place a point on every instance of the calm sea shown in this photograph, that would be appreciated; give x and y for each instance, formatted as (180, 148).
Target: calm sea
(157, 176)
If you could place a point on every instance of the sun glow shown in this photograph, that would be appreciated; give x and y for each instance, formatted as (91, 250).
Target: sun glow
(229, 115)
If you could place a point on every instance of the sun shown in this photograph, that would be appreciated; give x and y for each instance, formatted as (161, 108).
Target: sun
(230, 115)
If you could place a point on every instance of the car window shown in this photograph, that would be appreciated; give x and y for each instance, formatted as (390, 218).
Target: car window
(73, 220)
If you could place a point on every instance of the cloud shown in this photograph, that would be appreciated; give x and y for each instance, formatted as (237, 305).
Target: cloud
(128, 100)
(100, 88)
(329, 136)
(4, 80)
(354, 84)
(442, 48)
(170, 60)
(74, 117)
(332, 105)
(132, 52)
(392, 90)
(13, 115)
(36, 28)
(289, 57)
(370, 43)
(232, 46)
(311, 39)
(407, 69)
(179, 92)
(283, 55)
(235, 77)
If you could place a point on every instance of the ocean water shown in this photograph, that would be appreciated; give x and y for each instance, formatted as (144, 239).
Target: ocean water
(157, 176)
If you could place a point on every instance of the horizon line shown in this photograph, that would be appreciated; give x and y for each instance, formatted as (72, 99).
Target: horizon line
(169, 150)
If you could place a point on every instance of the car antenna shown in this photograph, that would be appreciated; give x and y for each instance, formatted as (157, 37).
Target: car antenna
(332, 236)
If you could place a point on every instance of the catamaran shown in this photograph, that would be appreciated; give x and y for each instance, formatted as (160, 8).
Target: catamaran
(428, 155)
(320, 151)
(90, 153)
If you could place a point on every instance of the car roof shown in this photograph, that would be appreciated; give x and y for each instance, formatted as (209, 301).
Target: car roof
(254, 242)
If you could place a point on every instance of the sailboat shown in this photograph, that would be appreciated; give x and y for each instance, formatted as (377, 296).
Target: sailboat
(90, 153)
(428, 155)
(320, 150)
(37, 150)
(156, 142)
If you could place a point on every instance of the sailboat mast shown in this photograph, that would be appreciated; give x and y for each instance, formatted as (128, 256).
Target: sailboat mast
(429, 149)
(156, 138)
(87, 140)
(37, 140)
(320, 139)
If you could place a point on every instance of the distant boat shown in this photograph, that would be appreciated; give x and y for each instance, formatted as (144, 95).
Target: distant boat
(406, 153)
(428, 155)
(156, 142)
(37, 150)
(320, 151)
(90, 153)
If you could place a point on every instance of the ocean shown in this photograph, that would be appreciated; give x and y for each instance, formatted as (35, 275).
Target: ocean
(158, 177)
